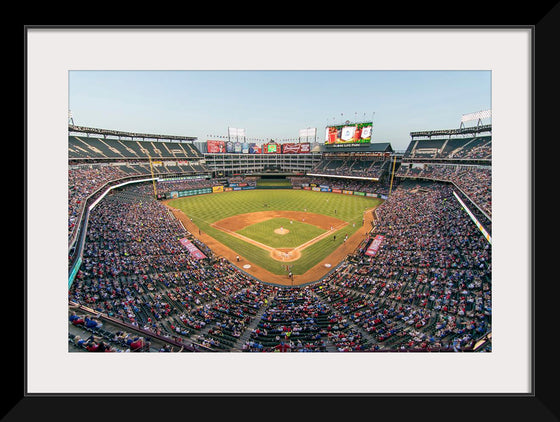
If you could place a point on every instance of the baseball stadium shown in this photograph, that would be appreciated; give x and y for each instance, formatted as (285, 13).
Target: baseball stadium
(341, 244)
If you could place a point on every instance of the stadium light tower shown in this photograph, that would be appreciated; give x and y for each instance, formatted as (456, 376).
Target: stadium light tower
(236, 133)
(478, 116)
(309, 132)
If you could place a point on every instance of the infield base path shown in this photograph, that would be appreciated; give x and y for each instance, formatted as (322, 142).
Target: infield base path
(311, 275)
(231, 225)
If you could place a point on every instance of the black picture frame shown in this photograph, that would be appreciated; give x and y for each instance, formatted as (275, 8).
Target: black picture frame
(540, 405)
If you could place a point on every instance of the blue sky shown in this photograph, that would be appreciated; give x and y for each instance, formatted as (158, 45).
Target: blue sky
(276, 104)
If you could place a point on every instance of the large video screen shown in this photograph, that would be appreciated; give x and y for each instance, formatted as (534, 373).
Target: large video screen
(351, 133)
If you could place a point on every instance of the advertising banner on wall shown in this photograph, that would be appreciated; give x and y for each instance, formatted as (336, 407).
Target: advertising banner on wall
(216, 146)
(290, 149)
(293, 148)
(188, 192)
(254, 148)
(304, 148)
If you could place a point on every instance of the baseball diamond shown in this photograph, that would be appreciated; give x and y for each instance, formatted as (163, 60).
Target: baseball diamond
(308, 240)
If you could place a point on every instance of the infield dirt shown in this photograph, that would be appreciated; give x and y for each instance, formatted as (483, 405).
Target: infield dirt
(240, 221)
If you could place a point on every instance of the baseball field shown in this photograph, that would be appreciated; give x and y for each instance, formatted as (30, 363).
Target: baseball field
(277, 231)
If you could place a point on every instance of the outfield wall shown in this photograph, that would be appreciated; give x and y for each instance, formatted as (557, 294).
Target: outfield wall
(311, 187)
(327, 188)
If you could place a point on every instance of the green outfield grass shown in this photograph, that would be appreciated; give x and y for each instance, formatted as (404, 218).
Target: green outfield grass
(274, 182)
(298, 234)
(207, 209)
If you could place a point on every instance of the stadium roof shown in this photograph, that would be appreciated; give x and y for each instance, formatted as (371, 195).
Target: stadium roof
(119, 133)
(381, 147)
(460, 131)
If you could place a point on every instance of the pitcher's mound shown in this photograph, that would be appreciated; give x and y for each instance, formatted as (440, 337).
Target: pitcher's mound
(281, 230)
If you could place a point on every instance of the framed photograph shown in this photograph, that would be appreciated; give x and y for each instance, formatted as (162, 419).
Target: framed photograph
(502, 376)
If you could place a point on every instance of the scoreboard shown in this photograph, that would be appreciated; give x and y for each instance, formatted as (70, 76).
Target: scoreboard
(349, 133)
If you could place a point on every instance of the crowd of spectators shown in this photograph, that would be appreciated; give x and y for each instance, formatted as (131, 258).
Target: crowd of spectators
(294, 321)
(434, 260)
(474, 181)
(382, 187)
(135, 269)
(428, 287)
(478, 151)
(84, 181)
(250, 180)
(165, 186)
(352, 167)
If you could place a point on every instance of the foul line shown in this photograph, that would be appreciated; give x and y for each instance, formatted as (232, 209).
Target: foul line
(246, 239)
(270, 248)
(320, 237)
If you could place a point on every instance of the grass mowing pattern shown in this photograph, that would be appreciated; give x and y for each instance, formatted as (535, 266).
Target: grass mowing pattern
(207, 209)
(274, 182)
(299, 233)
